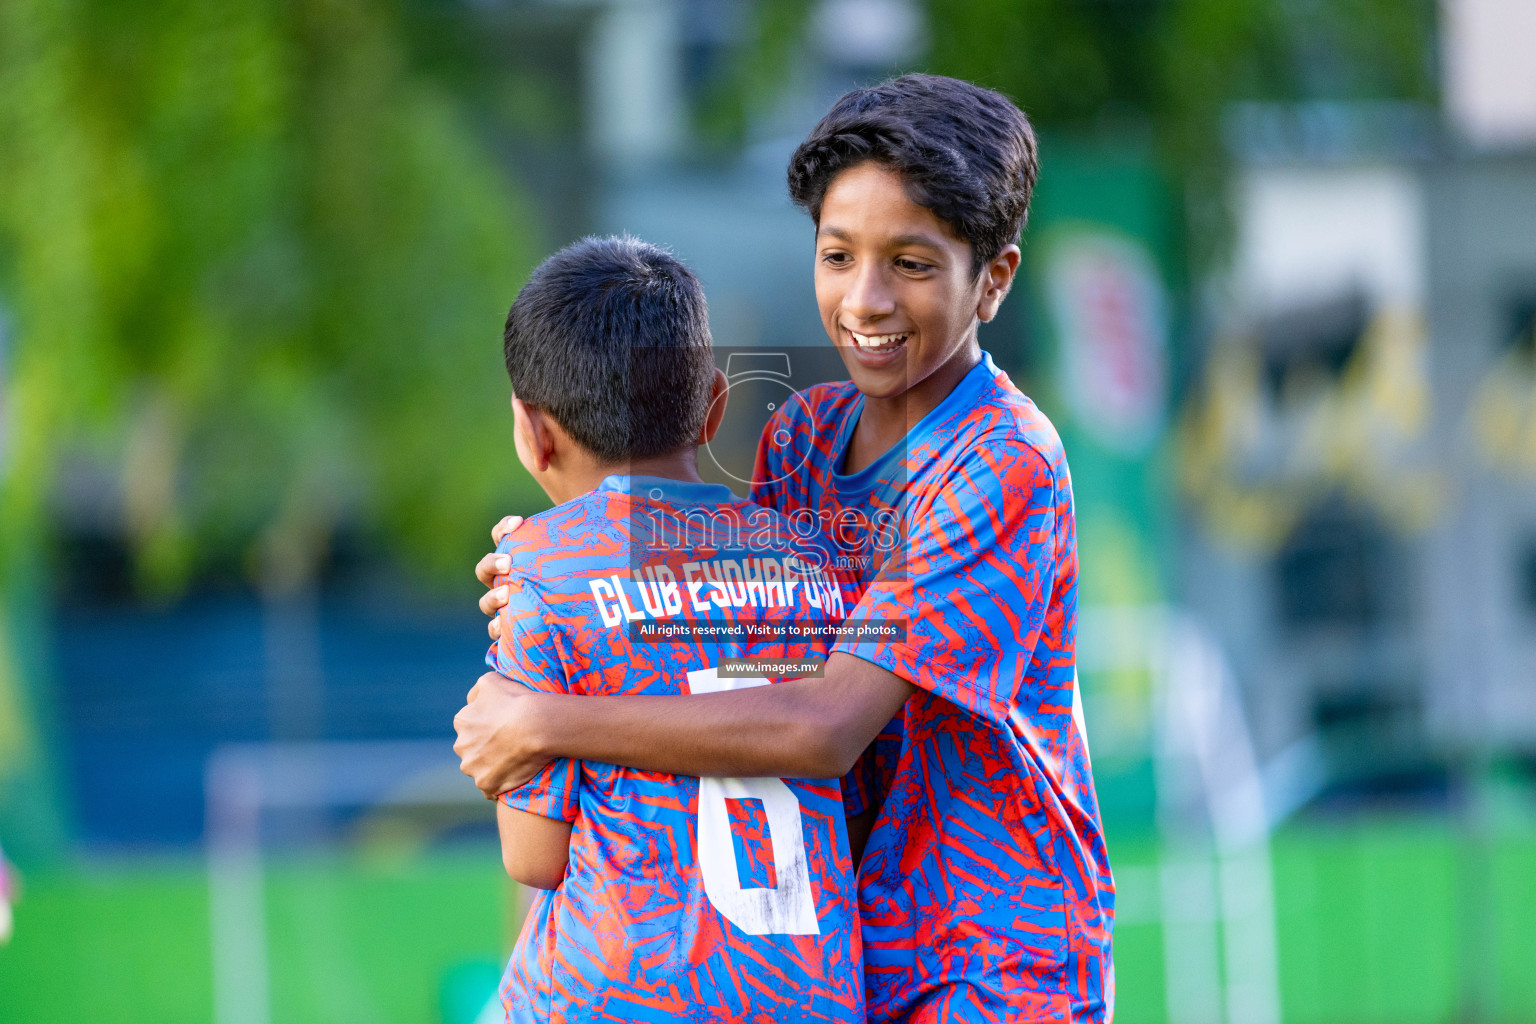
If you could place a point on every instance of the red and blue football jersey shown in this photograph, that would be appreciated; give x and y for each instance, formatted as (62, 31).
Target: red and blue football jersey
(985, 889)
(683, 899)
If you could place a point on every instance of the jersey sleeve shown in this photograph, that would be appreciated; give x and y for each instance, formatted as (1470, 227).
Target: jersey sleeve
(526, 654)
(972, 578)
(769, 466)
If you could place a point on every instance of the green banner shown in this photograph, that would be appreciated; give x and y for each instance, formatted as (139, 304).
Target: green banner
(1101, 254)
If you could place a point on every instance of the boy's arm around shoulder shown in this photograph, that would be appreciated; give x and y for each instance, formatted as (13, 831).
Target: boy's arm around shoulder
(802, 728)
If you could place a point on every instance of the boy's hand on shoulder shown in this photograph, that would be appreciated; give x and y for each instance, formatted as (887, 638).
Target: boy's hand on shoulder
(497, 735)
(489, 568)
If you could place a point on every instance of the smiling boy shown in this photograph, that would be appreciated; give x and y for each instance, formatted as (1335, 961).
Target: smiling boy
(985, 890)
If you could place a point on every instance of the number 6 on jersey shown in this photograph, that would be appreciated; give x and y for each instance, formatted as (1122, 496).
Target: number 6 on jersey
(790, 907)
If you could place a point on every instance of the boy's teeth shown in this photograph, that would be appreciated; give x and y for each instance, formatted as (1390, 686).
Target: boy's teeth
(874, 341)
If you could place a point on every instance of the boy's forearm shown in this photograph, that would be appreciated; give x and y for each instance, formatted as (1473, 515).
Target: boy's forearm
(725, 734)
(802, 728)
(534, 849)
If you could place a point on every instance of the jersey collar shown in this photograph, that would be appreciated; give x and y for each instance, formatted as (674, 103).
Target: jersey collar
(957, 403)
(674, 492)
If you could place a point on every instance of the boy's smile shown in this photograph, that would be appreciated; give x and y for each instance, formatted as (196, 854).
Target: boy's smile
(898, 295)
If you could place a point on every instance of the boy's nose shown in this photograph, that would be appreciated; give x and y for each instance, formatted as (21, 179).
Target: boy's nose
(869, 296)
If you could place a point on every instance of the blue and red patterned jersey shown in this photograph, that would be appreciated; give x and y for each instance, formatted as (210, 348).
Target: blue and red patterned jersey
(683, 899)
(985, 889)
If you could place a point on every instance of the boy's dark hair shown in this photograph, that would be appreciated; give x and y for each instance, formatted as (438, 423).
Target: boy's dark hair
(610, 336)
(966, 153)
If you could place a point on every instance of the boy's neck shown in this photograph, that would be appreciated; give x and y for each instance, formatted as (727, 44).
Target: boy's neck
(582, 480)
(682, 466)
(884, 422)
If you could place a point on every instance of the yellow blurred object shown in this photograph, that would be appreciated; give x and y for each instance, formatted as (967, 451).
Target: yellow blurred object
(1221, 432)
(1503, 412)
(1253, 463)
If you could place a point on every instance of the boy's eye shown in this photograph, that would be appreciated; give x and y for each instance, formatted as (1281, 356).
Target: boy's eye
(835, 259)
(912, 265)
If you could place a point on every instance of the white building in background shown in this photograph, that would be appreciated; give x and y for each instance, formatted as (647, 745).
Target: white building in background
(634, 81)
(1489, 70)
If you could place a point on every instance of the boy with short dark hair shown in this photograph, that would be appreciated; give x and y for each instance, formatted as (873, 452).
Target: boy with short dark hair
(985, 889)
(662, 897)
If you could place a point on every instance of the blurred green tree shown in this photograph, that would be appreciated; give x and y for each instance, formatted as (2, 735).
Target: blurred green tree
(253, 266)
(1173, 68)
(256, 261)
(1162, 73)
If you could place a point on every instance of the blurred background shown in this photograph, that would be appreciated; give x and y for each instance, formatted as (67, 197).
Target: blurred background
(1279, 294)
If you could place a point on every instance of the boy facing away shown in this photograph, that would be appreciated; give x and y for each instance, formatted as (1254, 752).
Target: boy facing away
(985, 890)
(660, 897)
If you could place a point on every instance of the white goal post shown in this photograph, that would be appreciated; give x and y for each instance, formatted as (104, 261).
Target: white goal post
(244, 782)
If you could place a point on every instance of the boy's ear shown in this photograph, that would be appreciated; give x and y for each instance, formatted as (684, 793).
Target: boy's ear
(996, 279)
(719, 392)
(530, 434)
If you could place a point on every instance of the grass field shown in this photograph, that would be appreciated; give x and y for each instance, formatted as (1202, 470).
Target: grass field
(1371, 920)
(349, 941)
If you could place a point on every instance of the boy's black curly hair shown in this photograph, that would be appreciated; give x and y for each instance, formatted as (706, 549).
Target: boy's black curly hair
(964, 152)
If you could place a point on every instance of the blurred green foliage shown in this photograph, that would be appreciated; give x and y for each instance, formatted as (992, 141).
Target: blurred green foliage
(256, 261)
(1166, 71)
(1154, 74)
(745, 86)
(255, 253)
(1178, 62)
